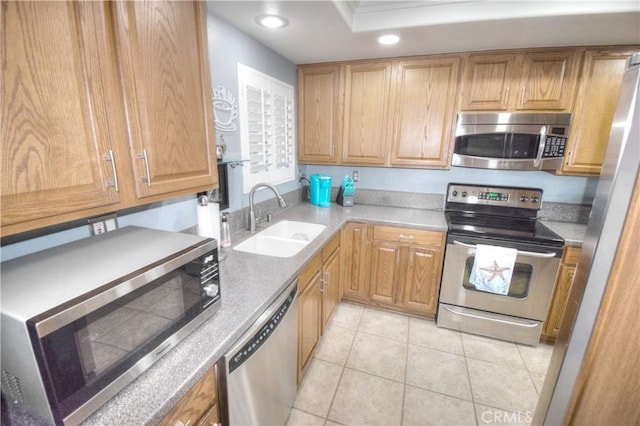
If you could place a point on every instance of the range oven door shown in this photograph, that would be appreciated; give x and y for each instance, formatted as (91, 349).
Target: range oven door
(516, 316)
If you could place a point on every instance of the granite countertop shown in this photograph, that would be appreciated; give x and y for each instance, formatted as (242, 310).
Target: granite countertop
(249, 284)
(573, 233)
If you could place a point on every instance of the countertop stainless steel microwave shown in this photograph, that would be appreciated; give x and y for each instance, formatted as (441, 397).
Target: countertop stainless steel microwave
(82, 320)
(511, 141)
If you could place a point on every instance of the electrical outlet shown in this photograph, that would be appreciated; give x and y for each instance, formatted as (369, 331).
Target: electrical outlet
(102, 224)
(356, 176)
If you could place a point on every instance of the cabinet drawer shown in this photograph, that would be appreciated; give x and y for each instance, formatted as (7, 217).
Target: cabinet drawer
(195, 404)
(330, 247)
(571, 255)
(306, 276)
(408, 236)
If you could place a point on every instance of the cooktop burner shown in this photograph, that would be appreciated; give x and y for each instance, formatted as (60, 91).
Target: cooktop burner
(505, 213)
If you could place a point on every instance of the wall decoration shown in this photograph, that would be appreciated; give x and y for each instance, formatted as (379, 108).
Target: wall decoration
(225, 108)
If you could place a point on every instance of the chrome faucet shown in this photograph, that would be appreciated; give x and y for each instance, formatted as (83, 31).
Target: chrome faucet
(252, 215)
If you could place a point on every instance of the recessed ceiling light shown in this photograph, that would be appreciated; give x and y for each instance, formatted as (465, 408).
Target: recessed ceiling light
(388, 39)
(272, 21)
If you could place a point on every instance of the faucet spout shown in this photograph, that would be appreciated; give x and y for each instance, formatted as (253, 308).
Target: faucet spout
(252, 215)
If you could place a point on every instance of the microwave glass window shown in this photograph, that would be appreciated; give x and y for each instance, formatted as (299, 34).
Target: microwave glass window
(518, 286)
(498, 145)
(107, 342)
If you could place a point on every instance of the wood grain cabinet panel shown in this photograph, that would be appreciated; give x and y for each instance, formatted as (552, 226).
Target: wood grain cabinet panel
(356, 261)
(426, 92)
(319, 113)
(560, 296)
(164, 66)
(487, 81)
(385, 263)
(366, 117)
(548, 80)
(422, 280)
(331, 273)
(520, 81)
(596, 102)
(309, 314)
(58, 128)
(198, 407)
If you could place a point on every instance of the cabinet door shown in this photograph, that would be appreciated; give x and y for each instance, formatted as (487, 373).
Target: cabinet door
(331, 294)
(425, 105)
(422, 280)
(201, 401)
(366, 113)
(385, 262)
(163, 58)
(58, 123)
(559, 302)
(356, 262)
(593, 115)
(548, 80)
(487, 80)
(319, 113)
(309, 322)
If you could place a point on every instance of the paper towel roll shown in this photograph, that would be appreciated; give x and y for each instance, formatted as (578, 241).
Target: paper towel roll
(209, 221)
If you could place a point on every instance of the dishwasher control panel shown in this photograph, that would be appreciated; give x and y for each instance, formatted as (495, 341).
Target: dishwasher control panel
(262, 334)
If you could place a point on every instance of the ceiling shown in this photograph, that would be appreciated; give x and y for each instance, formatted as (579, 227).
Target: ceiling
(322, 31)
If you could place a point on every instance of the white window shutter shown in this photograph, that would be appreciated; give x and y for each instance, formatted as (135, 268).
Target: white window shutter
(266, 128)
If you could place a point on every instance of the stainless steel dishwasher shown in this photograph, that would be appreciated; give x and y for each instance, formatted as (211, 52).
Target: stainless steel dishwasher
(261, 367)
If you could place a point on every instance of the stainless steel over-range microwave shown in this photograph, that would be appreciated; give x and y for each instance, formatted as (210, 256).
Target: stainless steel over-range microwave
(511, 141)
(82, 320)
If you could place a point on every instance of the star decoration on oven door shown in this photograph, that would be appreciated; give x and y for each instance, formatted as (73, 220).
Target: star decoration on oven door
(495, 271)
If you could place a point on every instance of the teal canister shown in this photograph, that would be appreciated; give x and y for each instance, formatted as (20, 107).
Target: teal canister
(324, 196)
(314, 190)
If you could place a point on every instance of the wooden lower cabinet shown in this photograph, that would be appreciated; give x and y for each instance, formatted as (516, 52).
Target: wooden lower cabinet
(561, 294)
(356, 262)
(198, 407)
(319, 294)
(395, 268)
(406, 269)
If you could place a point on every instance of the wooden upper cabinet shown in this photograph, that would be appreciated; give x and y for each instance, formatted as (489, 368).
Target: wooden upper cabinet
(166, 88)
(366, 113)
(57, 124)
(319, 113)
(425, 106)
(548, 80)
(538, 80)
(596, 103)
(487, 81)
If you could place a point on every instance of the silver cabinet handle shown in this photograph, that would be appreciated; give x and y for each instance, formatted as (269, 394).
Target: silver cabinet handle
(506, 96)
(114, 183)
(466, 314)
(143, 156)
(524, 90)
(409, 237)
(522, 253)
(327, 278)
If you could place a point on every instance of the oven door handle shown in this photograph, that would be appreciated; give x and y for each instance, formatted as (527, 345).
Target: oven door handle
(520, 252)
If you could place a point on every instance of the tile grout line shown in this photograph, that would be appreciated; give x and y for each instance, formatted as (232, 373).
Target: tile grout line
(466, 364)
(344, 367)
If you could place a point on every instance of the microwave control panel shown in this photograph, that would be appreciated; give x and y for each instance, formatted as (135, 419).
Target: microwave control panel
(554, 146)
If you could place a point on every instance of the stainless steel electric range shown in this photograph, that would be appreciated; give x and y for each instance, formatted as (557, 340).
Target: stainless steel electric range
(500, 263)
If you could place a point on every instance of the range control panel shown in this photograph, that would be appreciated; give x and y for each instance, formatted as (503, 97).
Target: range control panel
(530, 198)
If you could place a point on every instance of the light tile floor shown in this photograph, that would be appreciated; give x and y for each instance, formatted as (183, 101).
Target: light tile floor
(374, 367)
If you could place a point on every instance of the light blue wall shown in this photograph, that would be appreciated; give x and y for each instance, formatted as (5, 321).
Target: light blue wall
(171, 215)
(560, 189)
(229, 46)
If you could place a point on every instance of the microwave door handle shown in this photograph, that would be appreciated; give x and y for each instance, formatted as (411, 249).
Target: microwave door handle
(543, 140)
(520, 252)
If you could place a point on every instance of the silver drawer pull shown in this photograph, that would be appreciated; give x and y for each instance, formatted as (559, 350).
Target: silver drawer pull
(143, 156)
(466, 314)
(520, 253)
(409, 237)
(110, 157)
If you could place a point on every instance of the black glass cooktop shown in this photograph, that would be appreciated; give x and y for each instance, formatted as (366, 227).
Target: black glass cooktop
(502, 227)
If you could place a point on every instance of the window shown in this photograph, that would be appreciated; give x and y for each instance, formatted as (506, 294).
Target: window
(267, 132)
